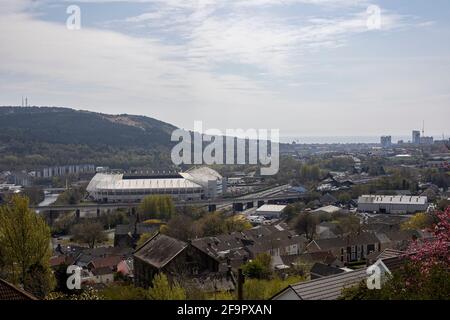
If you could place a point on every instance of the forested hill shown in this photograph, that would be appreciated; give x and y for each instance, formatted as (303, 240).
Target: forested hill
(35, 136)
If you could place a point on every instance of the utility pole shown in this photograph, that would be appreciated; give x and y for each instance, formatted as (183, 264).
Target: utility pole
(240, 284)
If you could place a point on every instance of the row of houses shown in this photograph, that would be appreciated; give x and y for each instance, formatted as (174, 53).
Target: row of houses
(213, 257)
(218, 257)
(99, 266)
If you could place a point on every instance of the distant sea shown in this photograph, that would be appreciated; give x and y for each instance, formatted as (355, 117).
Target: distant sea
(341, 139)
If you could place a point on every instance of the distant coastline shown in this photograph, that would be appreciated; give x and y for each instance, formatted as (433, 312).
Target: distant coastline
(343, 139)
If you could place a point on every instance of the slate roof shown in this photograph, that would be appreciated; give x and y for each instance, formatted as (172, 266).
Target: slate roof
(11, 292)
(330, 287)
(385, 254)
(340, 242)
(255, 240)
(322, 270)
(89, 255)
(61, 259)
(311, 257)
(327, 199)
(160, 250)
(105, 262)
(102, 271)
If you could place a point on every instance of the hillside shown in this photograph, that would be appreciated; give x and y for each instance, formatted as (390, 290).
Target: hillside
(37, 136)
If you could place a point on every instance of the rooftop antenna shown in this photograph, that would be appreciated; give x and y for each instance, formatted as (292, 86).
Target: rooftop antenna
(423, 128)
(26, 101)
(22, 101)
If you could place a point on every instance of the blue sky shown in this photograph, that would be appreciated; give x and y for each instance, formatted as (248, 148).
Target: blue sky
(307, 67)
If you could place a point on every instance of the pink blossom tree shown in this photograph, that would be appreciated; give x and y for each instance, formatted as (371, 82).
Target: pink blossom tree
(429, 253)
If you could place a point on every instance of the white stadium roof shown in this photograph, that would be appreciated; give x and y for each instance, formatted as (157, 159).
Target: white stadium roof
(102, 181)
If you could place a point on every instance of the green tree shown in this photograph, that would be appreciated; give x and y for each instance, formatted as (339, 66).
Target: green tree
(143, 238)
(180, 227)
(344, 197)
(157, 206)
(89, 233)
(237, 223)
(63, 223)
(419, 221)
(162, 289)
(257, 289)
(292, 210)
(306, 224)
(71, 196)
(25, 246)
(124, 292)
(211, 225)
(258, 268)
(39, 280)
(348, 224)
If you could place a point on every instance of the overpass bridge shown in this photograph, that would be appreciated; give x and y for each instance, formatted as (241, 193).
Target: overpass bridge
(239, 204)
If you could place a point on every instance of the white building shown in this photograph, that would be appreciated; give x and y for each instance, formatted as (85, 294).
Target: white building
(392, 204)
(270, 211)
(194, 184)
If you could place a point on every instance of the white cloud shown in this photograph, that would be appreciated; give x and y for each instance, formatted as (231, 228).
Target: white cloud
(230, 65)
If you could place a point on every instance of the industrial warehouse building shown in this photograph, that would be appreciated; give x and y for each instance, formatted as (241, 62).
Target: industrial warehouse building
(270, 211)
(392, 204)
(194, 184)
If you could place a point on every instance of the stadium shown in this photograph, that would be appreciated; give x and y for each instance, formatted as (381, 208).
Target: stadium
(194, 184)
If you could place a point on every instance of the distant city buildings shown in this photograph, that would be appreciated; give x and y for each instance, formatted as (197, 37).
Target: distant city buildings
(386, 141)
(426, 140)
(416, 137)
(60, 171)
(421, 139)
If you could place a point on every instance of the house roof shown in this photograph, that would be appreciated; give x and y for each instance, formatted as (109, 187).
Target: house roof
(255, 240)
(328, 199)
(88, 255)
(323, 270)
(102, 271)
(160, 250)
(61, 259)
(9, 291)
(330, 287)
(312, 257)
(328, 209)
(339, 242)
(106, 262)
(385, 254)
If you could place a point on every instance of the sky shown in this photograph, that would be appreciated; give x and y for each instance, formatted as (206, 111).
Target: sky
(306, 67)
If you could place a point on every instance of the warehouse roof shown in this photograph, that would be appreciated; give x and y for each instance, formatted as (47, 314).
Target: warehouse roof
(380, 199)
(271, 208)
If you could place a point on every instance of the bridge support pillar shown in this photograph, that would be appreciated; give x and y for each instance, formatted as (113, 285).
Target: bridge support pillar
(212, 208)
(98, 212)
(250, 204)
(51, 214)
(238, 207)
(77, 214)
